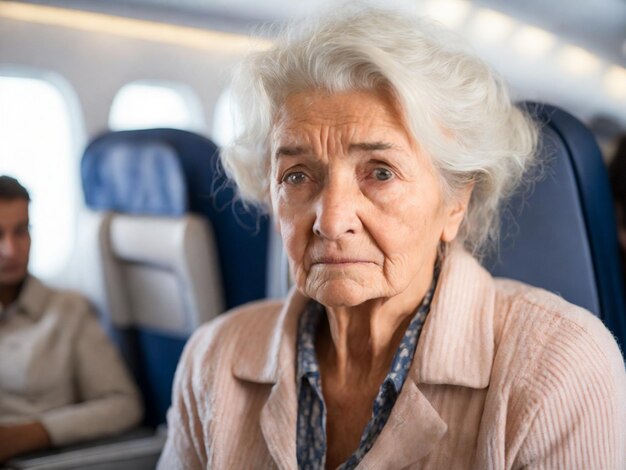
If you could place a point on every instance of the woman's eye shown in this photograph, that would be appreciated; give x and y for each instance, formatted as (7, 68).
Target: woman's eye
(382, 174)
(295, 178)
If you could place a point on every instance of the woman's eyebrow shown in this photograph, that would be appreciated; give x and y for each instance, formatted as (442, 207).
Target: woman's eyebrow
(370, 146)
(287, 151)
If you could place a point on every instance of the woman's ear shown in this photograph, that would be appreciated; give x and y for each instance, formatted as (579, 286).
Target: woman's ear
(456, 213)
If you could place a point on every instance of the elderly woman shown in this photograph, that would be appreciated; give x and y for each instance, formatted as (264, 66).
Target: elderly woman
(384, 151)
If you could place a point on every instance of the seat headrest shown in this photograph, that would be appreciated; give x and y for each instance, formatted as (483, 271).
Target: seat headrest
(134, 177)
(561, 235)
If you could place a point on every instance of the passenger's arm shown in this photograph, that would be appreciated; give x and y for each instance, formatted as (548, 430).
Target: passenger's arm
(16, 439)
(107, 400)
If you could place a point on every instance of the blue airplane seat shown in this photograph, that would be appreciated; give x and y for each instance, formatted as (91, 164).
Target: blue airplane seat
(151, 190)
(560, 233)
(241, 233)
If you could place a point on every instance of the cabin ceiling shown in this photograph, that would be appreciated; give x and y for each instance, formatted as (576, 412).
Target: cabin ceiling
(598, 25)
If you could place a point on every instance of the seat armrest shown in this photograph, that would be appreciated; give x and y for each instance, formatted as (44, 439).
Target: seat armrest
(137, 450)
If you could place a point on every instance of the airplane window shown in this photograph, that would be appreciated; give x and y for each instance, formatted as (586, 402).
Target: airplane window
(225, 126)
(147, 104)
(36, 133)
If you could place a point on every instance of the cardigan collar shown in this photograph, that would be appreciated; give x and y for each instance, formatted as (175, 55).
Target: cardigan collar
(456, 346)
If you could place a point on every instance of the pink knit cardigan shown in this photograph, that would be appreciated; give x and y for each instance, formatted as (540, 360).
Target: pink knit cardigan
(504, 376)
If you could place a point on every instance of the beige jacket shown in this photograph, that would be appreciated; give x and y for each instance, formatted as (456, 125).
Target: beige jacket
(57, 366)
(504, 376)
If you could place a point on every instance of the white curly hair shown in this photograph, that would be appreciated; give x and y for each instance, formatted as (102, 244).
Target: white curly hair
(457, 108)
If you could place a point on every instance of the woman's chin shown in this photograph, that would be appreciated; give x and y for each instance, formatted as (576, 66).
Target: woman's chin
(339, 293)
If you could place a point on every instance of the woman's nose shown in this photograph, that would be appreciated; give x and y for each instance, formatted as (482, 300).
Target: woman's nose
(336, 212)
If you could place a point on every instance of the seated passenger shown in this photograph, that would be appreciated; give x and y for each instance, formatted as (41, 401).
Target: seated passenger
(61, 379)
(384, 151)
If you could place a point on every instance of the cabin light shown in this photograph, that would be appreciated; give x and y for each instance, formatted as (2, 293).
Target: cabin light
(490, 26)
(578, 61)
(132, 28)
(533, 42)
(615, 82)
(450, 13)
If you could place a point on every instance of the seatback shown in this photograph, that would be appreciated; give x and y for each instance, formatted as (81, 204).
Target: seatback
(162, 282)
(241, 233)
(560, 232)
(158, 262)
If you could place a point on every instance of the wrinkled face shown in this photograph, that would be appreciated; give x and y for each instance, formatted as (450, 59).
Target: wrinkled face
(359, 206)
(14, 241)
